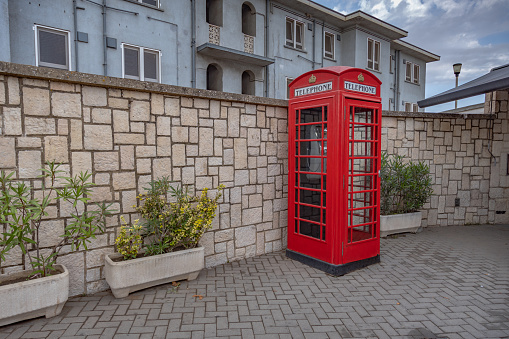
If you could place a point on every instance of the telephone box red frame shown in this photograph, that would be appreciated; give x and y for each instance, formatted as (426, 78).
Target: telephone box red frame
(333, 206)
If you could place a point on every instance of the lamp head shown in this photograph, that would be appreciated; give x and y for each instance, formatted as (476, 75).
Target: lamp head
(457, 69)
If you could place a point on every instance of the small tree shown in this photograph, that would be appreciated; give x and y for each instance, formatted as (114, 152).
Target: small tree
(21, 215)
(405, 186)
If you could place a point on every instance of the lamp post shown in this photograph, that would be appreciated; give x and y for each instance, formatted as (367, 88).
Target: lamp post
(457, 70)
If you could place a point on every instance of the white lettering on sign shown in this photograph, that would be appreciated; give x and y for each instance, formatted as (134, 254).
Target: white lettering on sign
(313, 89)
(352, 86)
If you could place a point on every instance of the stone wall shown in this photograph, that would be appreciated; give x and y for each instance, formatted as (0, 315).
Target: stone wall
(128, 136)
(467, 156)
(129, 132)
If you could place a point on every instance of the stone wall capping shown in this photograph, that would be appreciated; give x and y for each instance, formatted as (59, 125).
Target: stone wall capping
(432, 115)
(52, 74)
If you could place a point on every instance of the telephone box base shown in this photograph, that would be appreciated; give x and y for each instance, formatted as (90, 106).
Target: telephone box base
(335, 270)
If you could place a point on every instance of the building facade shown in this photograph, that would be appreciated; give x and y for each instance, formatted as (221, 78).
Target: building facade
(256, 47)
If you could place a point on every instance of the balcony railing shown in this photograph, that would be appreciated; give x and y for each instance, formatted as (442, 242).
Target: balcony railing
(248, 43)
(214, 34)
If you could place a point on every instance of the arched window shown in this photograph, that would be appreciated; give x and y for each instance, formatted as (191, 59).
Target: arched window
(248, 19)
(248, 83)
(214, 12)
(214, 77)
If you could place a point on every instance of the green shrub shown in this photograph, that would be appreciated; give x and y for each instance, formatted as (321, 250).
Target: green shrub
(404, 186)
(129, 241)
(21, 214)
(176, 224)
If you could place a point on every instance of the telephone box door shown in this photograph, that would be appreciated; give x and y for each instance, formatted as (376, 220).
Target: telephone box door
(310, 227)
(363, 185)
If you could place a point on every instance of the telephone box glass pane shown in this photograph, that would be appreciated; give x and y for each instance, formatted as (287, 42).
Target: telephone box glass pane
(361, 115)
(361, 132)
(310, 229)
(361, 166)
(311, 115)
(310, 197)
(361, 149)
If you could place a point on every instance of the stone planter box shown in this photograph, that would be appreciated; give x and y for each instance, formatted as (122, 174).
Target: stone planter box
(400, 223)
(132, 275)
(33, 298)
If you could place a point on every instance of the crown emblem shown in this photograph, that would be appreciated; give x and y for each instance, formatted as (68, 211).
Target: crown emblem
(360, 77)
(312, 79)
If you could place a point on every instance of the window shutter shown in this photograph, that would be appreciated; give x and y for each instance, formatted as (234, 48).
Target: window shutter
(289, 32)
(299, 32)
(377, 56)
(416, 74)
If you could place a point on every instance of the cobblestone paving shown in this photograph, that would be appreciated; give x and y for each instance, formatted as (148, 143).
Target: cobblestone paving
(449, 282)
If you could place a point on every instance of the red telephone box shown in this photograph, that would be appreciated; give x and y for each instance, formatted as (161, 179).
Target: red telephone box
(334, 128)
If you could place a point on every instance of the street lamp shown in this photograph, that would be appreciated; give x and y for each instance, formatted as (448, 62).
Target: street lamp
(457, 70)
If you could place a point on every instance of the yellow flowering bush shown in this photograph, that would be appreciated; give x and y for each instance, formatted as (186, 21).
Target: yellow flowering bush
(176, 224)
(129, 241)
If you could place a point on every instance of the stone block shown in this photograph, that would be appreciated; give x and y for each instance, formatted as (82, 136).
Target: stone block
(124, 180)
(157, 104)
(106, 161)
(201, 103)
(118, 103)
(252, 216)
(129, 138)
(146, 151)
(81, 162)
(27, 142)
(136, 95)
(101, 116)
(233, 122)
(163, 146)
(180, 134)
(36, 101)
(2, 94)
(240, 149)
(206, 142)
(128, 201)
(61, 86)
(172, 106)
(63, 127)
(120, 121)
(253, 137)
(55, 149)
(161, 167)
(94, 96)
(140, 111)
(163, 126)
(143, 166)
(189, 117)
(13, 91)
(66, 105)
(7, 153)
(29, 164)
(245, 236)
(179, 154)
(98, 137)
(12, 121)
(75, 260)
(127, 157)
(76, 135)
(38, 126)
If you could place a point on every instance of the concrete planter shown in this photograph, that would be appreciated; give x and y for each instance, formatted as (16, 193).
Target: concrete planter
(33, 298)
(128, 276)
(400, 223)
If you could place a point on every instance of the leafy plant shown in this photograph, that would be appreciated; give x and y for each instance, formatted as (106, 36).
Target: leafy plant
(180, 223)
(405, 186)
(21, 214)
(129, 241)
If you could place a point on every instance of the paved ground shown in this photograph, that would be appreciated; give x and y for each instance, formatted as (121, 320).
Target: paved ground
(450, 282)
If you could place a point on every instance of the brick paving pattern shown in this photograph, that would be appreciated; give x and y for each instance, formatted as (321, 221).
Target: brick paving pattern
(449, 282)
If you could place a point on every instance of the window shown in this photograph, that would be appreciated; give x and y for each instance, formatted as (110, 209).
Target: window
(391, 64)
(248, 19)
(214, 78)
(408, 73)
(248, 83)
(373, 55)
(415, 77)
(288, 81)
(294, 33)
(415, 107)
(141, 63)
(329, 45)
(214, 12)
(52, 47)
(412, 72)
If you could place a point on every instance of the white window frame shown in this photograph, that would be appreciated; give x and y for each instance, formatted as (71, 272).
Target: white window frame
(141, 51)
(408, 106)
(38, 62)
(288, 81)
(293, 42)
(415, 78)
(415, 107)
(408, 71)
(374, 58)
(141, 2)
(333, 39)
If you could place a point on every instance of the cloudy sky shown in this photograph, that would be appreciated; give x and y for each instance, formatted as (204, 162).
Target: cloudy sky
(472, 32)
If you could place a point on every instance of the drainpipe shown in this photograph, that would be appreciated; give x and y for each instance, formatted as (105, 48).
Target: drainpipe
(75, 35)
(193, 43)
(314, 47)
(266, 50)
(396, 82)
(105, 52)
